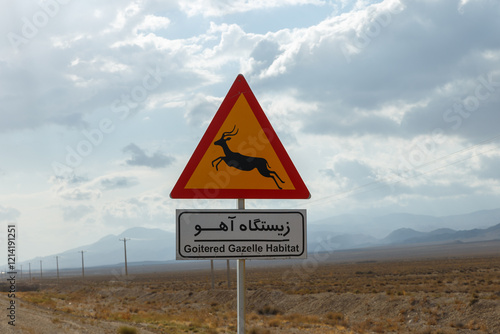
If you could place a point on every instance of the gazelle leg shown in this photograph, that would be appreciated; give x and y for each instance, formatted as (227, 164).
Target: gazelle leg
(272, 172)
(276, 181)
(217, 165)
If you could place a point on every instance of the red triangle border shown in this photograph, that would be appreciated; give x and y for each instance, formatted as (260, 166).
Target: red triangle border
(240, 86)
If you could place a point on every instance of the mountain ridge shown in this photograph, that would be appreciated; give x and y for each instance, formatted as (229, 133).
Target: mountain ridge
(154, 244)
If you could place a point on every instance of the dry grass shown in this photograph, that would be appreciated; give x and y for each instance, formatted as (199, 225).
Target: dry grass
(426, 296)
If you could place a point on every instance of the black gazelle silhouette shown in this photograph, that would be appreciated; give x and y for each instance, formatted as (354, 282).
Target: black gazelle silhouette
(243, 162)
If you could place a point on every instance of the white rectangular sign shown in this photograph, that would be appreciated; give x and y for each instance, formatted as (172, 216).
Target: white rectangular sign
(241, 234)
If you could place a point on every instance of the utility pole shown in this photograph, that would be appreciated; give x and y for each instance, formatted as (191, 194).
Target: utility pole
(57, 266)
(41, 269)
(125, 249)
(30, 270)
(83, 266)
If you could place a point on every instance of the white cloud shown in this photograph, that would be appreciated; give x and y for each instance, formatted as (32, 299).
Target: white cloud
(200, 108)
(76, 213)
(118, 182)
(374, 101)
(79, 194)
(151, 209)
(141, 158)
(8, 214)
(153, 23)
(225, 7)
(124, 16)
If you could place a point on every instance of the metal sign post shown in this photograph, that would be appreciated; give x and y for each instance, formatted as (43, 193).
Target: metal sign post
(241, 234)
(241, 284)
(213, 171)
(241, 295)
(212, 273)
(228, 274)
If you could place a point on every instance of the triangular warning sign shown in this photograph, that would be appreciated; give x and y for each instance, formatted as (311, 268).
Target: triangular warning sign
(240, 155)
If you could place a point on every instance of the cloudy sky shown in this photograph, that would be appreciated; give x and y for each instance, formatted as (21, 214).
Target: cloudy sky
(383, 106)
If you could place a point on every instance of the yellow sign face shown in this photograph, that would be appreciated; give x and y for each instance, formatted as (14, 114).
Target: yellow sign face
(240, 156)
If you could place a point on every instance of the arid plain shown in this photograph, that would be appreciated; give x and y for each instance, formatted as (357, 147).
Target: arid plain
(451, 288)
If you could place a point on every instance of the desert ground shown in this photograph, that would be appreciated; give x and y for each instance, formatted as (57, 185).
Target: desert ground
(452, 288)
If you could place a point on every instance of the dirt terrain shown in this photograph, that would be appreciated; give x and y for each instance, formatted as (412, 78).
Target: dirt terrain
(451, 294)
(37, 320)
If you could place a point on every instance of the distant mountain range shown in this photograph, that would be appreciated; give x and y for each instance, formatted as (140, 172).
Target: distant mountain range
(143, 244)
(410, 236)
(335, 233)
(381, 226)
(357, 231)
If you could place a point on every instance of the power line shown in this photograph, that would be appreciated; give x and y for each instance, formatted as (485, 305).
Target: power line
(378, 183)
(481, 143)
